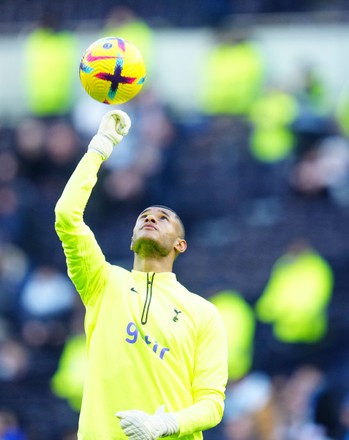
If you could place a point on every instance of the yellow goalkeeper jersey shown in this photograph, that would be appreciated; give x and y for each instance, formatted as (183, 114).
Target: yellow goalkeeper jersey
(150, 342)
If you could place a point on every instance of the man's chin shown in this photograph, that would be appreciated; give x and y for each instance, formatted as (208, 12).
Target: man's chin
(148, 247)
(144, 242)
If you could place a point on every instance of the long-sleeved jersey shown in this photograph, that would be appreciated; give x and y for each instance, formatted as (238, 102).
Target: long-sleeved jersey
(150, 342)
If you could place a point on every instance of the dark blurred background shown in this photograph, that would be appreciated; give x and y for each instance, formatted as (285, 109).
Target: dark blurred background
(242, 127)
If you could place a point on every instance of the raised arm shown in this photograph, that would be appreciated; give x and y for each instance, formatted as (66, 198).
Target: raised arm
(85, 260)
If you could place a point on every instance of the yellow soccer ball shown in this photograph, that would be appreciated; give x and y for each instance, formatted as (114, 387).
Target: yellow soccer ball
(112, 70)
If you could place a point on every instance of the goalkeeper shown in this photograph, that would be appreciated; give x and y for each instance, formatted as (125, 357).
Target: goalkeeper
(157, 353)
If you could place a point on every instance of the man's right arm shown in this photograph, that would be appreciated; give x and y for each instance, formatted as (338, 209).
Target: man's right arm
(85, 260)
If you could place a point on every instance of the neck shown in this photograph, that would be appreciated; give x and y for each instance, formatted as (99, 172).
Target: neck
(152, 264)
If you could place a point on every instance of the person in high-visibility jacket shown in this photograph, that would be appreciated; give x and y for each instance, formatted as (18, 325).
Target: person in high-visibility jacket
(69, 378)
(49, 74)
(239, 320)
(232, 76)
(297, 295)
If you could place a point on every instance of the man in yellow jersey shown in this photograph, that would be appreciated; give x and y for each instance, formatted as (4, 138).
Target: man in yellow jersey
(157, 353)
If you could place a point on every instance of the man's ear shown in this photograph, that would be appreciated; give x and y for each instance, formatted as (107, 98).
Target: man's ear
(181, 245)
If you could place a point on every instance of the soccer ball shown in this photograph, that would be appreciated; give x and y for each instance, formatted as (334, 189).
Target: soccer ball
(112, 70)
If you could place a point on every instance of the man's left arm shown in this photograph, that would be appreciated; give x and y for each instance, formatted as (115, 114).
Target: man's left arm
(210, 378)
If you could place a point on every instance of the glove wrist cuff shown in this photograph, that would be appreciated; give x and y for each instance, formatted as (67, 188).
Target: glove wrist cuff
(172, 426)
(101, 145)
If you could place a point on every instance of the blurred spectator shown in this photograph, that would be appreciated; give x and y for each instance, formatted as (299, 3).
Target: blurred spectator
(68, 380)
(344, 418)
(9, 426)
(323, 170)
(8, 166)
(271, 146)
(14, 266)
(232, 74)
(62, 144)
(14, 360)
(280, 408)
(312, 92)
(299, 401)
(296, 298)
(239, 321)
(12, 197)
(50, 68)
(245, 400)
(45, 304)
(29, 146)
(271, 117)
(314, 122)
(46, 152)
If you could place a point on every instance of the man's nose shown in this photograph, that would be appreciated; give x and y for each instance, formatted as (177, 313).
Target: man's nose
(150, 218)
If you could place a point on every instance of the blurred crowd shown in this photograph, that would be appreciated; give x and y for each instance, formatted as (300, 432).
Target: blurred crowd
(260, 177)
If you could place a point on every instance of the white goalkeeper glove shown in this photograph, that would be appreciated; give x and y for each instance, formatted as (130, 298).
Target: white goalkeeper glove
(112, 129)
(139, 425)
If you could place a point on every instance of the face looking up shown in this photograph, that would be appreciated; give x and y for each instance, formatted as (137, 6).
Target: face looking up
(158, 232)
